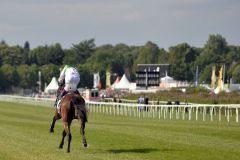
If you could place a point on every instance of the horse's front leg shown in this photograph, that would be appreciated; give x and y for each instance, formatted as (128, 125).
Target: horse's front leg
(55, 117)
(82, 131)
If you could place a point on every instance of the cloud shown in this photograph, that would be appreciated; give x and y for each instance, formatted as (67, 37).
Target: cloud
(113, 21)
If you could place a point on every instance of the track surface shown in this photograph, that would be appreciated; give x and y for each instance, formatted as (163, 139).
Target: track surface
(24, 134)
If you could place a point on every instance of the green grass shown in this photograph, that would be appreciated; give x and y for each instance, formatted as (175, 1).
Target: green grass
(24, 134)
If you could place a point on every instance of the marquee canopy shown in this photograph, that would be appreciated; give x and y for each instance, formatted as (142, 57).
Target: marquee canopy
(123, 84)
(52, 87)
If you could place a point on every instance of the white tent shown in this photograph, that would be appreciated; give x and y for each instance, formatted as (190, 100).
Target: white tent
(167, 82)
(167, 79)
(115, 83)
(123, 84)
(52, 87)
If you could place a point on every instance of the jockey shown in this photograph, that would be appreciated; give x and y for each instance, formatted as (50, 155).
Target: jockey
(69, 78)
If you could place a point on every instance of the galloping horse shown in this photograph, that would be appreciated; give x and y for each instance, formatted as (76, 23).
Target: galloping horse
(72, 107)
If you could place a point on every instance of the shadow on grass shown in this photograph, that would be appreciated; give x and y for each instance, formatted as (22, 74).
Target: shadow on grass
(140, 150)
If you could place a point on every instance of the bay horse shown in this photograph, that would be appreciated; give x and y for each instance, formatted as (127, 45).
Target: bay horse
(72, 107)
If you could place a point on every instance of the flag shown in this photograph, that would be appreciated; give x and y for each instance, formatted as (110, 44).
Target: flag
(220, 79)
(213, 78)
(96, 80)
(108, 76)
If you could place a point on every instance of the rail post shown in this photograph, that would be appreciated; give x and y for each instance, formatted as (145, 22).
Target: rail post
(236, 114)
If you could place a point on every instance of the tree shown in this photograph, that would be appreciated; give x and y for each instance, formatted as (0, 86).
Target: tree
(214, 51)
(10, 77)
(28, 76)
(39, 55)
(148, 54)
(79, 53)
(11, 55)
(26, 50)
(101, 59)
(43, 55)
(56, 54)
(181, 59)
(86, 76)
(205, 74)
(48, 72)
(163, 57)
(236, 73)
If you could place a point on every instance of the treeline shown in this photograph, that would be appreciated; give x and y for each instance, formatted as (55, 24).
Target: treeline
(19, 65)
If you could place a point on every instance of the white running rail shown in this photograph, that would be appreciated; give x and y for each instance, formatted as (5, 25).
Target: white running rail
(204, 112)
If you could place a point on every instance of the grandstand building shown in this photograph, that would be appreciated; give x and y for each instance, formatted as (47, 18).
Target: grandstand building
(149, 75)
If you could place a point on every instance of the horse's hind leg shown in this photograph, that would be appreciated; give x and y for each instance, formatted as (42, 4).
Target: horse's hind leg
(66, 131)
(69, 139)
(69, 135)
(63, 136)
(82, 131)
(55, 117)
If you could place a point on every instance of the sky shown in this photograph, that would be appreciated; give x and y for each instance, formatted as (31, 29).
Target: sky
(133, 22)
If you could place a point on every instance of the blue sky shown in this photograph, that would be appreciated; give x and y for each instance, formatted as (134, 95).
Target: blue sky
(134, 22)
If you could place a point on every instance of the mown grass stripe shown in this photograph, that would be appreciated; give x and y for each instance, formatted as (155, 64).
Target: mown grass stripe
(24, 135)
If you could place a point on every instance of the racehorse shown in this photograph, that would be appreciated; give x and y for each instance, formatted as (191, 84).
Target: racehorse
(72, 107)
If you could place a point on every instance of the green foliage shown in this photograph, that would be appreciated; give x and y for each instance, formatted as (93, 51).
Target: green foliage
(214, 52)
(182, 58)
(28, 76)
(147, 54)
(120, 59)
(9, 77)
(79, 53)
(43, 55)
(11, 55)
(236, 73)
(49, 71)
(86, 76)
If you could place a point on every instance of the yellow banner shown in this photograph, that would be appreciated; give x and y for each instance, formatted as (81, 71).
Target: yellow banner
(220, 79)
(108, 77)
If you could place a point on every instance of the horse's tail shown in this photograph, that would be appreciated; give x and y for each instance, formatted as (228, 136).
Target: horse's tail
(80, 107)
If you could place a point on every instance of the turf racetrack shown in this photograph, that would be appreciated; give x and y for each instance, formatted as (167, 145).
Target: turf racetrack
(24, 134)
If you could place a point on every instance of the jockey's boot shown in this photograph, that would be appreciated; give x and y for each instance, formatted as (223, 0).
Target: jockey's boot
(55, 104)
(59, 91)
(63, 93)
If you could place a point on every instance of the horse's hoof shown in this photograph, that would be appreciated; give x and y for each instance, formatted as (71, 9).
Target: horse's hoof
(60, 147)
(85, 145)
(51, 131)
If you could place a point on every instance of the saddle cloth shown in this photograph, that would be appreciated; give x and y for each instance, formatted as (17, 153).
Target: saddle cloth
(59, 105)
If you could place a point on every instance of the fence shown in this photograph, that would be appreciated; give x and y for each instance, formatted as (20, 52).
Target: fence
(220, 112)
(28, 100)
